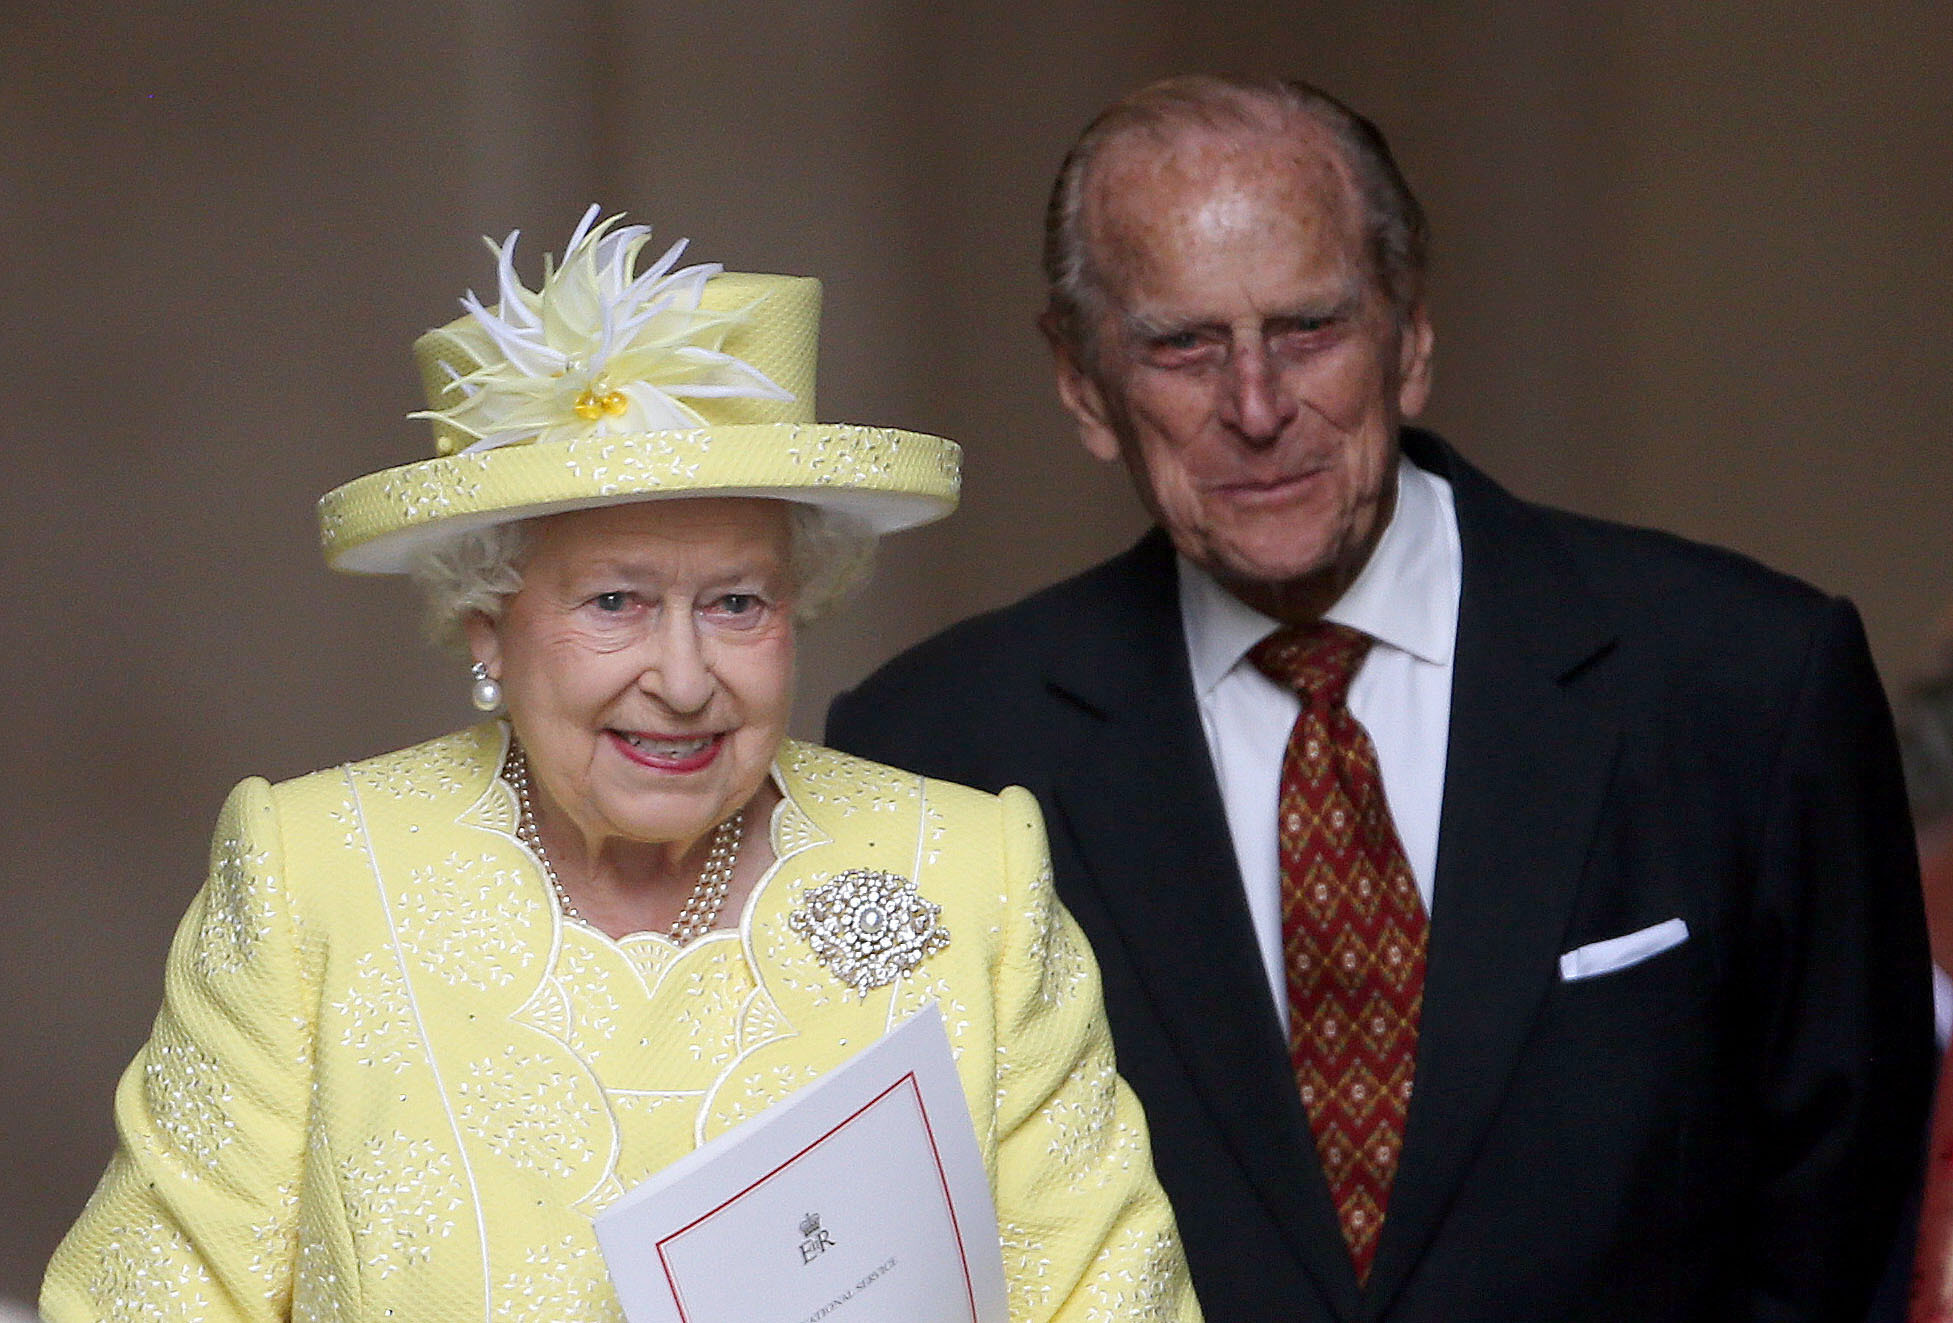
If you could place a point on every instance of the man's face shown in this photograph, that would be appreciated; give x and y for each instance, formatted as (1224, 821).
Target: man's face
(1248, 370)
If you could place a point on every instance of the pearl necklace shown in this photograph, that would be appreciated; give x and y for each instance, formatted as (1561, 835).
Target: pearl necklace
(701, 908)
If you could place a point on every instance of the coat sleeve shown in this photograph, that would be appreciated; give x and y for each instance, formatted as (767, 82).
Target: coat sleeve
(196, 1215)
(1843, 1012)
(1087, 1233)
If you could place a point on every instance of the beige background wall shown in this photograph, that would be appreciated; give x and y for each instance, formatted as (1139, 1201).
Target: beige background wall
(1693, 270)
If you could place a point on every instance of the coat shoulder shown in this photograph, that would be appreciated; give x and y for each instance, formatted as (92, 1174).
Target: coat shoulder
(1011, 643)
(1655, 564)
(1694, 604)
(1652, 578)
(976, 703)
(459, 763)
(832, 787)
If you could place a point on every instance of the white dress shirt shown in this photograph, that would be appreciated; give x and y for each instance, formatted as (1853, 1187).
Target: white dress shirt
(1406, 598)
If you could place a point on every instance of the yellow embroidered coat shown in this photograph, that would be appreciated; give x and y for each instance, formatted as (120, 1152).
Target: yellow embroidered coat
(390, 1080)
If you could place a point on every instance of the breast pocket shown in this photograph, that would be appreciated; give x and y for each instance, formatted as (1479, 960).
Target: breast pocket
(1611, 955)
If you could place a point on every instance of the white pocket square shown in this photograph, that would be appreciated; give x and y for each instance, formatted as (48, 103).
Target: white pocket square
(1620, 952)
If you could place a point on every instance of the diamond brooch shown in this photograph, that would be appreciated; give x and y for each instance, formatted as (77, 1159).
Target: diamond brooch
(868, 927)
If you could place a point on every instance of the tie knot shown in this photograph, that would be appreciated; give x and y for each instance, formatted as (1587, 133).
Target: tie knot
(1315, 660)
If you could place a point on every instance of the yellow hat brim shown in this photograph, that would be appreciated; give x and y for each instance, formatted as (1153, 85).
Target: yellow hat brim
(888, 478)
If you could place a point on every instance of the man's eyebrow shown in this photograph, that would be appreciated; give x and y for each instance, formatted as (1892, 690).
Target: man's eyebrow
(1339, 304)
(1345, 304)
(1331, 305)
(1140, 326)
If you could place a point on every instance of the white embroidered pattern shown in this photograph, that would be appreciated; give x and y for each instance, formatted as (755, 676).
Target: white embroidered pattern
(934, 828)
(529, 1115)
(332, 520)
(850, 786)
(464, 920)
(713, 994)
(593, 1008)
(274, 1248)
(767, 1088)
(401, 1194)
(234, 919)
(1061, 964)
(613, 466)
(793, 832)
(919, 991)
(148, 1271)
(346, 818)
(818, 992)
(1081, 1119)
(378, 1024)
(1050, 945)
(497, 809)
(1144, 1291)
(429, 490)
(433, 770)
(188, 1097)
(565, 1280)
(548, 1009)
(856, 456)
(1027, 1270)
(760, 1022)
(316, 1288)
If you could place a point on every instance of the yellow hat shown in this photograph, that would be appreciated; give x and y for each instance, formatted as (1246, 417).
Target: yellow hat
(609, 385)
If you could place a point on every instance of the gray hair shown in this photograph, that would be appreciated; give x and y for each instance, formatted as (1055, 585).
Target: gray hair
(1394, 223)
(1925, 720)
(829, 553)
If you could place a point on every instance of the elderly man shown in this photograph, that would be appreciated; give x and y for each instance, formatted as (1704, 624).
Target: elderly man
(1504, 915)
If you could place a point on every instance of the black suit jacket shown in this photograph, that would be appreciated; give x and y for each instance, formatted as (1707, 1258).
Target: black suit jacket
(1641, 729)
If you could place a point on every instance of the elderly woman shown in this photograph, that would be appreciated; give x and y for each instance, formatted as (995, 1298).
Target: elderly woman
(434, 1011)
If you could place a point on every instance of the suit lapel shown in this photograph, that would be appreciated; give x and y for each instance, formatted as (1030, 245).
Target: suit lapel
(1528, 761)
(1139, 800)
(1526, 772)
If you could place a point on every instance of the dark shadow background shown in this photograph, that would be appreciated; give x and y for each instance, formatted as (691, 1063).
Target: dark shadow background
(1693, 271)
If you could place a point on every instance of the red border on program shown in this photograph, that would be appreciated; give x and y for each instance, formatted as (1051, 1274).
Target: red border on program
(942, 1177)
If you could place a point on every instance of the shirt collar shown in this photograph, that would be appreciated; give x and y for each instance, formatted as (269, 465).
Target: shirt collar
(1405, 596)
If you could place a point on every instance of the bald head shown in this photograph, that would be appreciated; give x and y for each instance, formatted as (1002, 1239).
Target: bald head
(1202, 122)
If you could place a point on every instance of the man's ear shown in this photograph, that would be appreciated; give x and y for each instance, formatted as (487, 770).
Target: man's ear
(484, 642)
(1082, 397)
(1414, 362)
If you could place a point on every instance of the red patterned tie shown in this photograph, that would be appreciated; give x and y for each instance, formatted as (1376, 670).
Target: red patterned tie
(1353, 931)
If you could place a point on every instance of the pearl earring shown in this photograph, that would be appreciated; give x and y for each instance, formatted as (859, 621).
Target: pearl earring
(486, 694)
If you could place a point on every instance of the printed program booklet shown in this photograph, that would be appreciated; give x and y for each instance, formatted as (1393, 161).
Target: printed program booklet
(861, 1198)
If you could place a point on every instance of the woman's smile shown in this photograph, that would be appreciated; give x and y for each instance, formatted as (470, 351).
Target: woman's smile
(647, 663)
(668, 753)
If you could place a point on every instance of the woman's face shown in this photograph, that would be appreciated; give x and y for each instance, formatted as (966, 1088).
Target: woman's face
(647, 663)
